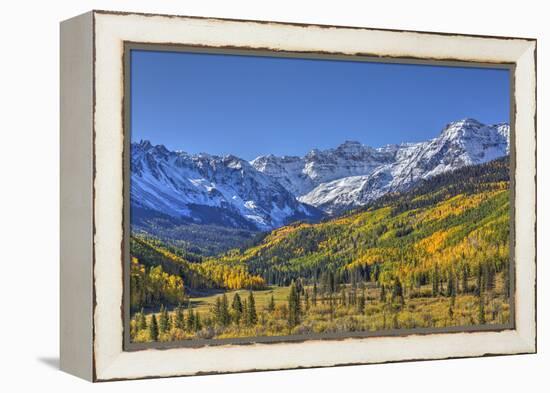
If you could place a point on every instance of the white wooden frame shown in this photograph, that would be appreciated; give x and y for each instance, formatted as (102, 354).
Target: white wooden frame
(92, 194)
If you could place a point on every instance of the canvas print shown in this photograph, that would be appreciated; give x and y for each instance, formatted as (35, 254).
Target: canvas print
(280, 197)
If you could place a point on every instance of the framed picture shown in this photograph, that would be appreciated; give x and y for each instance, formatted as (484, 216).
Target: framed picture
(246, 195)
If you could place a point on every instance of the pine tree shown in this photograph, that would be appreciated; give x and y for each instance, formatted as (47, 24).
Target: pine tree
(490, 278)
(397, 291)
(197, 322)
(354, 278)
(237, 307)
(332, 308)
(383, 293)
(153, 328)
(225, 317)
(353, 295)
(293, 306)
(190, 322)
(361, 302)
(451, 307)
(479, 287)
(163, 320)
(337, 281)
(481, 311)
(299, 286)
(168, 320)
(325, 286)
(435, 282)
(180, 319)
(450, 285)
(245, 311)
(251, 316)
(217, 310)
(160, 321)
(141, 321)
(375, 275)
(271, 304)
(314, 297)
(465, 279)
(306, 300)
(395, 321)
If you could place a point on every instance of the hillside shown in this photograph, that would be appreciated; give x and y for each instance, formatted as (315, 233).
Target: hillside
(434, 256)
(452, 224)
(161, 274)
(188, 237)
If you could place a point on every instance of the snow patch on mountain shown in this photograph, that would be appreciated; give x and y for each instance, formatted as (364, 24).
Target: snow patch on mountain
(272, 191)
(353, 174)
(181, 185)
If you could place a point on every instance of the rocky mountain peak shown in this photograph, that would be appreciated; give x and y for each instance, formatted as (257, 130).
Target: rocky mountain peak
(273, 190)
(209, 189)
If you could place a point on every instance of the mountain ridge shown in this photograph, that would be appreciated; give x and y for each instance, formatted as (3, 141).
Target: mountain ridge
(272, 191)
(353, 174)
(204, 188)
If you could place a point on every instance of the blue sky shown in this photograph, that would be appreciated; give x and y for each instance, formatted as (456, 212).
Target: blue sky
(250, 105)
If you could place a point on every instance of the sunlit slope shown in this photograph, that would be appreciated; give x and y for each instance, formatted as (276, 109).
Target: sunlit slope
(196, 274)
(452, 223)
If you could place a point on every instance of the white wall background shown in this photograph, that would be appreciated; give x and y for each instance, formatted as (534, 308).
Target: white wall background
(29, 179)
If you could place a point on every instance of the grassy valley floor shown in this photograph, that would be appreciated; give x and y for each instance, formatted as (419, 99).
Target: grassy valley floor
(343, 311)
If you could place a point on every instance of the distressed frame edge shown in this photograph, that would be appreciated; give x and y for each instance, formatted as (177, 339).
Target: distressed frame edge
(528, 340)
(305, 24)
(76, 196)
(528, 59)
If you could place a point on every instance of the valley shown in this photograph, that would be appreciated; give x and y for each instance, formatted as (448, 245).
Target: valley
(350, 309)
(433, 255)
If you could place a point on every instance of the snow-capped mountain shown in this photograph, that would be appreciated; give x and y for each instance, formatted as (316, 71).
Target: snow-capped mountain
(272, 191)
(208, 189)
(353, 174)
(300, 175)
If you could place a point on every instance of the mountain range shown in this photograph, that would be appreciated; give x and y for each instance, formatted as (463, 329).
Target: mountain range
(272, 191)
